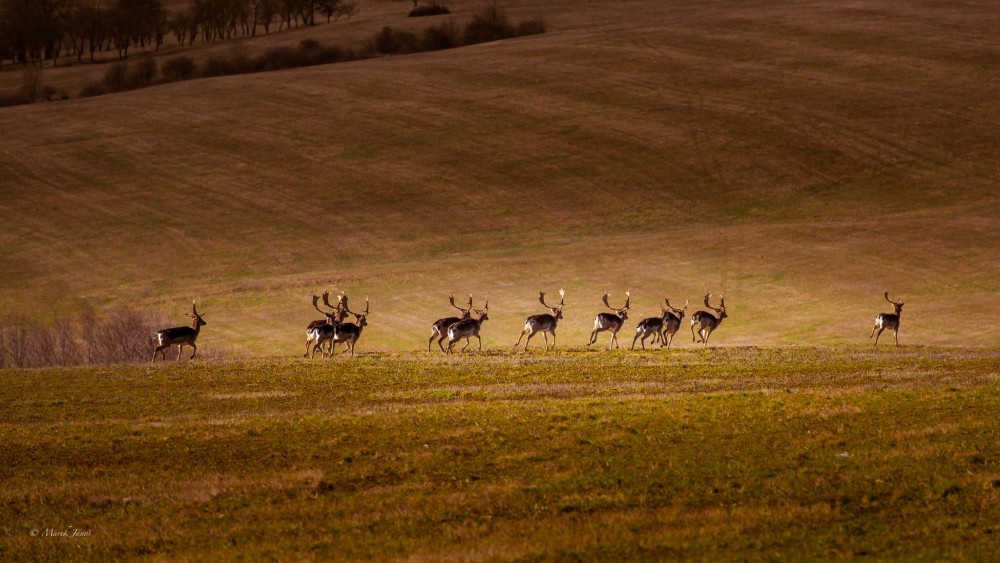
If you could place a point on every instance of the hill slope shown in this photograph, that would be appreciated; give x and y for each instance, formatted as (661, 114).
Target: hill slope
(800, 158)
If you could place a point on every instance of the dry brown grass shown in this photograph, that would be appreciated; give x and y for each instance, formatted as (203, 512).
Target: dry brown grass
(800, 158)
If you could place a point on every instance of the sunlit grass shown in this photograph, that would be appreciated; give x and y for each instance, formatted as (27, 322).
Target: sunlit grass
(797, 452)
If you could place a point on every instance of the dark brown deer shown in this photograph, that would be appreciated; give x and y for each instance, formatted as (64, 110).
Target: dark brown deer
(608, 321)
(659, 327)
(179, 335)
(468, 328)
(888, 320)
(440, 327)
(321, 331)
(707, 322)
(349, 333)
(672, 323)
(544, 323)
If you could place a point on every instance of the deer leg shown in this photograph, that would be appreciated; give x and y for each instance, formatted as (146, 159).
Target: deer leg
(669, 339)
(467, 342)
(895, 334)
(692, 333)
(308, 342)
(634, 339)
(523, 332)
(480, 343)
(440, 340)
(878, 335)
(707, 334)
(195, 350)
(546, 339)
(873, 330)
(553, 339)
(434, 332)
(526, 342)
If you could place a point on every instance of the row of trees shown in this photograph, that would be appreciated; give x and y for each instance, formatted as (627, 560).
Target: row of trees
(32, 31)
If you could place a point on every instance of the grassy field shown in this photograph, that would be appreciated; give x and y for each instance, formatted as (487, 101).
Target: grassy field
(800, 158)
(775, 453)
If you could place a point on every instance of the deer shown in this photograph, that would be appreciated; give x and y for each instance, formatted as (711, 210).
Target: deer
(440, 326)
(544, 323)
(349, 333)
(672, 322)
(707, 322)
(658, 327)
(888, 320)
(179, 335)
(608, 321)
(468, 328)
(321, 331)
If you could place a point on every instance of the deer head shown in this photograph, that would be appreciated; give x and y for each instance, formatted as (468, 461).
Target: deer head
(670, 308)
(466, 311)
(557, 310)
(198, 321)
(721, 311)
(898, 306)
(623, 312)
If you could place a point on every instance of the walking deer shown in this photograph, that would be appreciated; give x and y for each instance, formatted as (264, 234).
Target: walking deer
(609, 321)
(349, 333)
(321, 331)
(707, 322)
(660, 327)
(440, 326)
(468, 328)
(179, 335)
(544, 323)
(888, 320)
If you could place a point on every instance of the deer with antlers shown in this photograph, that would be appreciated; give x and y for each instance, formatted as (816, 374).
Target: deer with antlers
(321, 331)
(440, 327)
(660, 327)
(544, 323)
(707, 322)
(179, 335)
(608, 321)
(349, 333)
(468, 328)
(888, 320)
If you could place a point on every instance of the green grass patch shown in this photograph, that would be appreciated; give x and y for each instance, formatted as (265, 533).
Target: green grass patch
(796, 452)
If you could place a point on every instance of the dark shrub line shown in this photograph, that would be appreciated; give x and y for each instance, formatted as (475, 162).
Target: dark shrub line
(491, 24)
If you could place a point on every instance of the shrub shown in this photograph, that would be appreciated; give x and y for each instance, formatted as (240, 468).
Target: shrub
(489, 25)
(93, 89)
(116, 78)
(218, 66)
(446, 35)
(16, 99)
(392, 42)
(277, 58)
(180, 68)
(142, 74)
(531, 27)
(432, 9)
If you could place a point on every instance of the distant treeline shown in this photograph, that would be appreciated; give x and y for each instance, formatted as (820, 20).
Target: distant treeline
(44, 30)
(490, 24)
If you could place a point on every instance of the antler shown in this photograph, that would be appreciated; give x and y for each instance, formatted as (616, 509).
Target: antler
(605, 299)
(541, 299)
(628, 299)
(562, 297)
(707, 297)
(316, 304)
(366, 307)
(722, 303)
(890, 300)
(194, 310)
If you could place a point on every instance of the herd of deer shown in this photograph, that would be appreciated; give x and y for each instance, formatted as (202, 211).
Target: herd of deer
(332, 330)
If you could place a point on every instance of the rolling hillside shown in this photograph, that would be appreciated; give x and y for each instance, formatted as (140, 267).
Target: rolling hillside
(801, 158)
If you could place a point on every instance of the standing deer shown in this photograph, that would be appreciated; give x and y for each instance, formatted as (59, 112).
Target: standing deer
(349, 333)
(543, 323)
(321, 331)
(658, 327)
(179, 335)
(468, 328)
(888, 320)
(707, 322)
(440, 326)
(613, 322)
(672, 323)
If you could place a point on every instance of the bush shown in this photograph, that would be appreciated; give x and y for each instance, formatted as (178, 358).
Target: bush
(531, 27)
(446, 35)
(93, 89)
(116, 78)
(392, 42)
(143, 73)
(180, 68)
(117, 336)
(277, 58)
(8, 100)
(489, 25)
(218, 66)
(432, 9)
